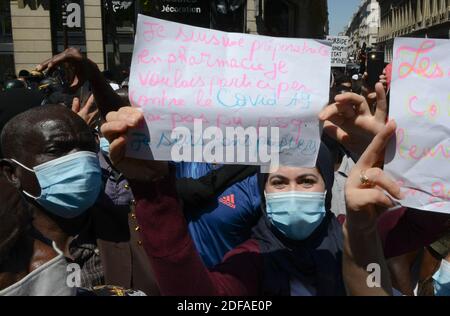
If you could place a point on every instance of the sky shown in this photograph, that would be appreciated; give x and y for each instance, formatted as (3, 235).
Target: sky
(340, 12)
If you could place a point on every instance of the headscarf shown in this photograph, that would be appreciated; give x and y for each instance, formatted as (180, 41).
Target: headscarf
(317, 261)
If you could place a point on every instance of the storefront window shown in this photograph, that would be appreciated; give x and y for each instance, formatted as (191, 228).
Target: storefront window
(192, 12)
(283, 18)
(228, 15)
(119, 28)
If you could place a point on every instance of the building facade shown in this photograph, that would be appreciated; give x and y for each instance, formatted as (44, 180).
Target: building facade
(412, 18)
(363, 27)
(6, 40)
(288, 18)
(33, 30)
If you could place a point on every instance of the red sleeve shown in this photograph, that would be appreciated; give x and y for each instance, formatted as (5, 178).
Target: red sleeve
(406, 230)
(178, 267)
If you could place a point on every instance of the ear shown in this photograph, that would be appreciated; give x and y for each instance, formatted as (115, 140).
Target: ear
(9, 171)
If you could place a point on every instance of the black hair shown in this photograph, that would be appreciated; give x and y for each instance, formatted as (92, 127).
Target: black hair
(108, 74)
(15, 84)
(24, 73)
(340, 78)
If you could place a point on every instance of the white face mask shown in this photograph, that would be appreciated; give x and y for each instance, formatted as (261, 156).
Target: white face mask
(50, 279)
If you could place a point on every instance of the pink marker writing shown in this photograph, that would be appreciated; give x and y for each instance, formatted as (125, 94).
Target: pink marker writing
(421, 64)
(153, 30)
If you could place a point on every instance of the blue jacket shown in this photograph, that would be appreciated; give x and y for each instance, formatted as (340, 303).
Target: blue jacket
(227, 221)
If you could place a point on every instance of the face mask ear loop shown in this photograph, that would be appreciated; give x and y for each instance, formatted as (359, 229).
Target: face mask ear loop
(29, 195)
(23, 166)
(31, 170)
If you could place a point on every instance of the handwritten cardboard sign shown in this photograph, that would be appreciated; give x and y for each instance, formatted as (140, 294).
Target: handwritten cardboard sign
(210, 83)
(419, 158)
(339, 51)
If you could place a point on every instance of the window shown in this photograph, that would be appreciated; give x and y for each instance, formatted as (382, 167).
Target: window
(5, 21)
(6, 42)
(118, 34)
(192, 12)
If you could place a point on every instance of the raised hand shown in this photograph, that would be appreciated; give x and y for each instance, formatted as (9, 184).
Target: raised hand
(350, 121)
(366, 199)
(81, 68)
(115, 130)
(383, 80)
(366, 185)
(89, 112)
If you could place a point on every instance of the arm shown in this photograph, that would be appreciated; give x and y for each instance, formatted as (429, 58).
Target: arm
(362, 256)
(198, 192)
(86, 70)
(403, 231)
(175, 261)
(105, 97)
(364, 266)
(177, 266)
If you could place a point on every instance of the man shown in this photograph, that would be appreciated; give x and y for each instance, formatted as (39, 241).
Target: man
(230, 221)
(52, 161)
(43, 135)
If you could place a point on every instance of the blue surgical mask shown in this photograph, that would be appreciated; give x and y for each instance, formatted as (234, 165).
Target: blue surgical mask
(441, 280)
(69, 185)
(104, 145)
(296, 214)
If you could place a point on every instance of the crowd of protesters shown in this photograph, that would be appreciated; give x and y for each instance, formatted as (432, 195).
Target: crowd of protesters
(77, 217)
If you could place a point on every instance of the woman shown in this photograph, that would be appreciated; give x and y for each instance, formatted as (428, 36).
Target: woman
(299, 239)
(295, 250)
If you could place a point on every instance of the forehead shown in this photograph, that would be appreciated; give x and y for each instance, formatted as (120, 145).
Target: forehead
(52, 129)
(62, 133)
(294, 172)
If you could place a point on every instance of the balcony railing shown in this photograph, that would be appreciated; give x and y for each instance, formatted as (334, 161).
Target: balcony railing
(408, 18)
